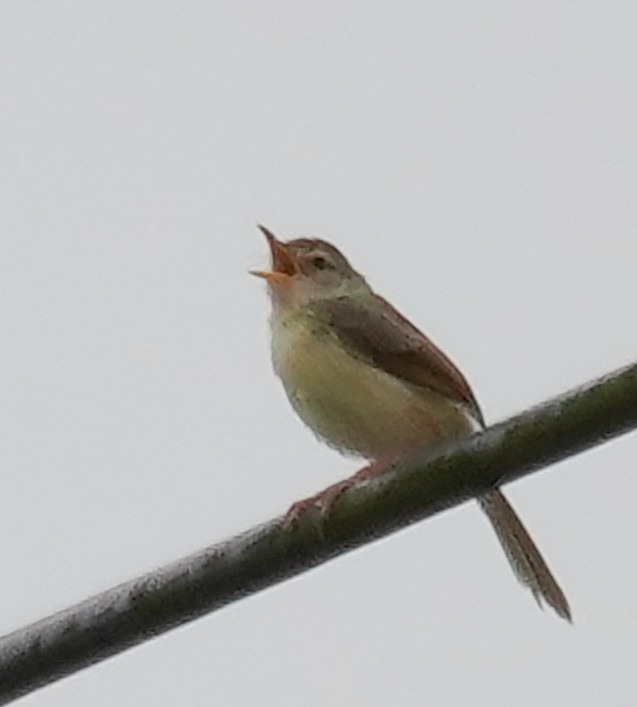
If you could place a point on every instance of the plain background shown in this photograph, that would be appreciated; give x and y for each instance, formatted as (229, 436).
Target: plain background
(478, 161)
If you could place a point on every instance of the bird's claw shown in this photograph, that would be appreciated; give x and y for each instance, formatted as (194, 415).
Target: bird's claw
(321, 502)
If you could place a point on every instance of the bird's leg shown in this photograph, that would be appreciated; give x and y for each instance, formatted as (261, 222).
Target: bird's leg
(324, 500)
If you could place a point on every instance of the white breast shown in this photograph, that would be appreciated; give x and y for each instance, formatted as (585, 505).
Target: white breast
(352, 405)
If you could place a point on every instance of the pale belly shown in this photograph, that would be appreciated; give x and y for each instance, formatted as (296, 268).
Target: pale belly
(356, 407)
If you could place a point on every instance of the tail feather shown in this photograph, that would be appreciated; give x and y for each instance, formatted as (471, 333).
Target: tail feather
(523, 555)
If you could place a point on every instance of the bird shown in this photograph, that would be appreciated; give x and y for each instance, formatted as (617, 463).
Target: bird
(370, 384)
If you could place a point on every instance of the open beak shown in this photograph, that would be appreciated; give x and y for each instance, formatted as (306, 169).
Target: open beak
(282, 263)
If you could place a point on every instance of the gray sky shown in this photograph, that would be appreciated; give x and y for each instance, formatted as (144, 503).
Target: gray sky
(478, 161)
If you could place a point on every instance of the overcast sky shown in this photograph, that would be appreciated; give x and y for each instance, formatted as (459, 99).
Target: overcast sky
(477, 161)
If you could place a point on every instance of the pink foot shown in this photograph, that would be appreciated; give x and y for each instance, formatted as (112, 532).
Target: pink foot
(321, 502)
(324, 500)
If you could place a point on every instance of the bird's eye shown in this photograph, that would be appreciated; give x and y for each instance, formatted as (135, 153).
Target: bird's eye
(320, 263)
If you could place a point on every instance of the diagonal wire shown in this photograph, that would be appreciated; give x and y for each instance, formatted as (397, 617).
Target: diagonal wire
(418, 486)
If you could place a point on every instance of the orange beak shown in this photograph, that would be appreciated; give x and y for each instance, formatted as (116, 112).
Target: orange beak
(282, 263)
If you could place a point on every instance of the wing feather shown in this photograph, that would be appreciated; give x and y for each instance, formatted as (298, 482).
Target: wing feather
(376, 332)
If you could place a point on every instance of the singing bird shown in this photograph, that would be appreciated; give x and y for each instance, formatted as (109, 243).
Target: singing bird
(369, 383)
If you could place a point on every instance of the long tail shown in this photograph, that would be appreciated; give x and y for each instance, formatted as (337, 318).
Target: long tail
(522, 553)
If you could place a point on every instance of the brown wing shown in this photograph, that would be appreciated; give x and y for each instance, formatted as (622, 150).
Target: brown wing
(374, 331)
